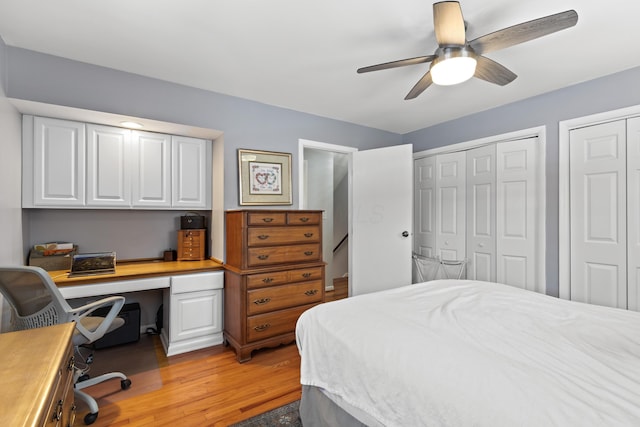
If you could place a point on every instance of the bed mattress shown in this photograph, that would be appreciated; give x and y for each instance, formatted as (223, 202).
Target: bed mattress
(462, 353)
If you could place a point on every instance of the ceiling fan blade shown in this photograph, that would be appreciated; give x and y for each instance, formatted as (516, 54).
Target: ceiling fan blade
(448, 23)
(524, 32)
(395, 64)
(491, 71)
(420, 87)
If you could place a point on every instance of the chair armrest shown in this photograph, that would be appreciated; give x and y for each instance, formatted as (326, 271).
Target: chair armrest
(116, 303)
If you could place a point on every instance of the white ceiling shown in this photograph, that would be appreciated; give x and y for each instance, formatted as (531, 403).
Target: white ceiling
(303, 55)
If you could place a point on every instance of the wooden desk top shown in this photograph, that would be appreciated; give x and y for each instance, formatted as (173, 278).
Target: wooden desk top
(137, 270)
(29, 364)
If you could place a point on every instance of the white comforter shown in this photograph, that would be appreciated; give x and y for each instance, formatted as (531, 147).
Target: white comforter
(465, 353)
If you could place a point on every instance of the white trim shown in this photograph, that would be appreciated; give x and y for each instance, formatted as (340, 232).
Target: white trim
(564, 213)
(306, 143)
(539, 132)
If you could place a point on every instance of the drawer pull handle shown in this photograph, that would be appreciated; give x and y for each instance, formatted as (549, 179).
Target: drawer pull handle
(71, 364)
(267, 219)
(263, 236)
(308, 253)
(57, 416)
(306, 275)
(262, 327)
(304, 219)
(262, 301)
(308, 234)
(267, 280)
(311, 292)
(263, 257)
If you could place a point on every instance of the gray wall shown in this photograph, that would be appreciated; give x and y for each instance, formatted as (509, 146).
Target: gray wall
(608, 93)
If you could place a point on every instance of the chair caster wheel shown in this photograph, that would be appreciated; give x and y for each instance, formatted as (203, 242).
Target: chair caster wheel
(83, 378)
(90, 418)
(125, 384)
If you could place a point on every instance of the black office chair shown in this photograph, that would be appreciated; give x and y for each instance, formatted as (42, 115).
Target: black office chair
(36, 302)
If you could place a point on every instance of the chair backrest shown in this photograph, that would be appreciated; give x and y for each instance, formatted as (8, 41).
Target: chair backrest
(34, 298)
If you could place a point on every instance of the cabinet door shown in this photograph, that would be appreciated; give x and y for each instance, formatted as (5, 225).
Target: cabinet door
(151, 177)
(191, 173)
(598, 214)
(195, 314)
(108, 166)
(481, 213)
(58, 163)
(451, 206)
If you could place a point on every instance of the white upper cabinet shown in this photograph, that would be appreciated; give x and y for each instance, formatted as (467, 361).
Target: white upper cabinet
(68, 164)
(151, 182)
(53, 163)
(108, 166)
(191, 173)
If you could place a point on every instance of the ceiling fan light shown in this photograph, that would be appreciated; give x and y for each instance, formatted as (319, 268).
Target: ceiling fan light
(451, 71)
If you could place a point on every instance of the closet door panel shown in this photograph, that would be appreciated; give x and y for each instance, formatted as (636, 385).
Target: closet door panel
(450, 206)
(424, 236)
(516, 242)
(633, 213)
(481, 213)
(598, 214)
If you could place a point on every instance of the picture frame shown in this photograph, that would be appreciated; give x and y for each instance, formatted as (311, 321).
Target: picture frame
(264, 177)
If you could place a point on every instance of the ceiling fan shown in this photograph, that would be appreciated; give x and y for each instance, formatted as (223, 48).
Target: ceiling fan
(456, 59)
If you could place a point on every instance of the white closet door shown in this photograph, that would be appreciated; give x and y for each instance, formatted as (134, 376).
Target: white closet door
(481, 213)
(633, 213)
(598, 214)
(450, 206)
(424, 217)
(517, 192)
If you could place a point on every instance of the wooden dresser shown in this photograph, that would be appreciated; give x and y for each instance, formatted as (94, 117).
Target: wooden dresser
(36, 367)
(274, 272)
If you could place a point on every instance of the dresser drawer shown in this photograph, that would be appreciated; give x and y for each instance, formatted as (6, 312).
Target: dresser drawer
(269, 325)
(303, 218)
(279, 297)
(283, 254)
(267, 279)
(271, 218)
(312, 273)
(267, 236)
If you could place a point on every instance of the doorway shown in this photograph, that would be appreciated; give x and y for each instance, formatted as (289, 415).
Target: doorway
(324, 186)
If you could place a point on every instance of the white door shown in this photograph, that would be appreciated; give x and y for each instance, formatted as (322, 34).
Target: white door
(517, 215)
(633, 213)
(191, 173)
(598, 214)
(151, 177)
(380, 227)
(451, 206)
(58, 162)
(108, 166)
(424, 215)
(481, 213)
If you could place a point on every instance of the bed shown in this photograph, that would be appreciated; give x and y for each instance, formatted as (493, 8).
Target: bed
(468, 353)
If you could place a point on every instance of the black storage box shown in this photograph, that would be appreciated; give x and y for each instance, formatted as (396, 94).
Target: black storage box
(192, 221)
(127, 333)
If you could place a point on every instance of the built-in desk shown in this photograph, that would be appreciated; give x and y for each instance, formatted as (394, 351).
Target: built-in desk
(192, 297)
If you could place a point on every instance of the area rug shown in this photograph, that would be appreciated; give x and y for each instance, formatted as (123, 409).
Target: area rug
(287, 415)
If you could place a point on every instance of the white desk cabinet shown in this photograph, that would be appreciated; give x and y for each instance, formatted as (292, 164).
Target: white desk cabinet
(194, 320)
(69, 164)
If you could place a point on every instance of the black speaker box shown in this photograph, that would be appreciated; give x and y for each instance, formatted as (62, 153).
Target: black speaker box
(127, 333)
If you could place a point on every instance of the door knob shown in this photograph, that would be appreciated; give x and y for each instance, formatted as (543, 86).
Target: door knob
(405, 234)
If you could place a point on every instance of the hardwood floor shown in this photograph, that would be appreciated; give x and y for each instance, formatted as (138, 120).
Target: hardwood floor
(210, 388)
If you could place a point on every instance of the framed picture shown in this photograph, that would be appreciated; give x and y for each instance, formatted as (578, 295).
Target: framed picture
(265, 177)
